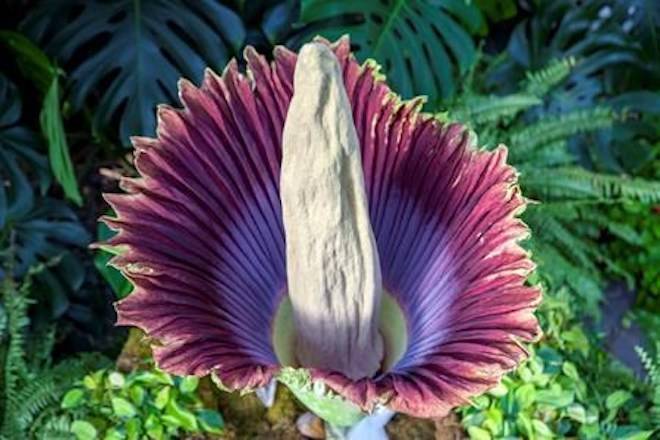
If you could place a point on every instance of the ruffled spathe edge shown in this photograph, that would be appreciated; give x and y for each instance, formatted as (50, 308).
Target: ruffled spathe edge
(432, 377)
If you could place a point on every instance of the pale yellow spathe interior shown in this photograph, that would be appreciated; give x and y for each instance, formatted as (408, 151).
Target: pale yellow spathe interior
(392, 326)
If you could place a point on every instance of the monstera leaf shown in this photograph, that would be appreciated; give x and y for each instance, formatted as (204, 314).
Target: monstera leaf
(127, 55)
(18, 154)
(36, 228)
(422, 44)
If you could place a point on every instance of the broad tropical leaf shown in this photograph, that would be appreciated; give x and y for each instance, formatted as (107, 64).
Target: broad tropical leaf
(36, 66)
(129, 54)
(36, 227)
(423, 45)
(18, 146)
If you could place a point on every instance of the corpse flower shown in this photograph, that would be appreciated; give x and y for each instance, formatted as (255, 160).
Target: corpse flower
(302, 223)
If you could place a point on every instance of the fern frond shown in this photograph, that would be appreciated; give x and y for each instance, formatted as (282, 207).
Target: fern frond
(551, 230)
(652, 367)
(619, 230)
(539, 83)
(32, 399)
(551, 155)
(558, 270)
(551, 129)
(29, 386)
(577, 183)
(53, 428)
(479, 109)
(41, 345)
(13, 355)
(3, 323)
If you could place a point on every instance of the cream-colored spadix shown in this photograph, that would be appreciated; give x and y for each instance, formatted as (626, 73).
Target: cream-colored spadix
(333, 272)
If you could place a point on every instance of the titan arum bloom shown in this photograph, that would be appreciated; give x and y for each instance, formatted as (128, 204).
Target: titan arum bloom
(302, 223)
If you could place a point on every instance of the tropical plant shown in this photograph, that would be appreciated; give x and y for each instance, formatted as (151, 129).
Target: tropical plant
(143, 404)
(40, 227)
(423, 45)
(642, 258)
(37, 228)
(652, 366)
(140, 50)
(601, 33)
(614, 68)
(46, 77)
(569, 388)
(31, 384)
(568, 219)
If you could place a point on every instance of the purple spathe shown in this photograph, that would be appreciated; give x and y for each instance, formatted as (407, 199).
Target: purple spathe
(204, 242)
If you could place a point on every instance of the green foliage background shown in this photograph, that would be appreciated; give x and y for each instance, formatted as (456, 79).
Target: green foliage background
(571, 87)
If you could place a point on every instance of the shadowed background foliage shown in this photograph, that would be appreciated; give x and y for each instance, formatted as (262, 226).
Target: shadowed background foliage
(572, 87)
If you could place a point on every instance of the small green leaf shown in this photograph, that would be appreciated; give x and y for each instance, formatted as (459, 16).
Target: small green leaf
(477, 433)
(185, 418)
(577, 412)
(72, 398)
(630, 433)
(133, 428)
(188, 384)
(617, 399)
(555, 397)
(123, 408)
(92, 381)
(119, 284)
(156, 432)
(524, 424)
(499, 390)
(83, 430)
(525, 374)
(116, 379)
(494, 421)
(114, 434)
(568, 368)
(542, 429)
(154, 377)
(210, 421)
(170, 420)
(525, 395)
(137, 394)
(162, 398)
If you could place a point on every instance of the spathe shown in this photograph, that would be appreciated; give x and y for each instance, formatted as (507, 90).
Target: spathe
(204, 243)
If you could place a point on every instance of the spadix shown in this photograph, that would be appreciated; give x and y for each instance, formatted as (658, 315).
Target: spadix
(333, 272)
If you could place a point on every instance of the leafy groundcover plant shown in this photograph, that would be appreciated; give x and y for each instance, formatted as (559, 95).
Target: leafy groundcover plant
(201, 237)
(151, 404)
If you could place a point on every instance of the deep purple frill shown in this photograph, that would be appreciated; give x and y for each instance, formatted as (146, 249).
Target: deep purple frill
(204, 244)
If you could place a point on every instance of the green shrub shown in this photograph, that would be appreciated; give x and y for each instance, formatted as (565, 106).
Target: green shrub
(111, 405)
(568, 388)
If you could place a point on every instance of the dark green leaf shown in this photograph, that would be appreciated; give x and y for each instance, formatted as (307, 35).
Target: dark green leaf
(123, 408)
(498, 10)
(210, 421)
(83, 430)
(188, 384)
(120, 285)
(58, 149)
(138, 51)
(162, 398)
(414, 40)
(617, 399)
(73, 398)
(184, 418)
(34, 64)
